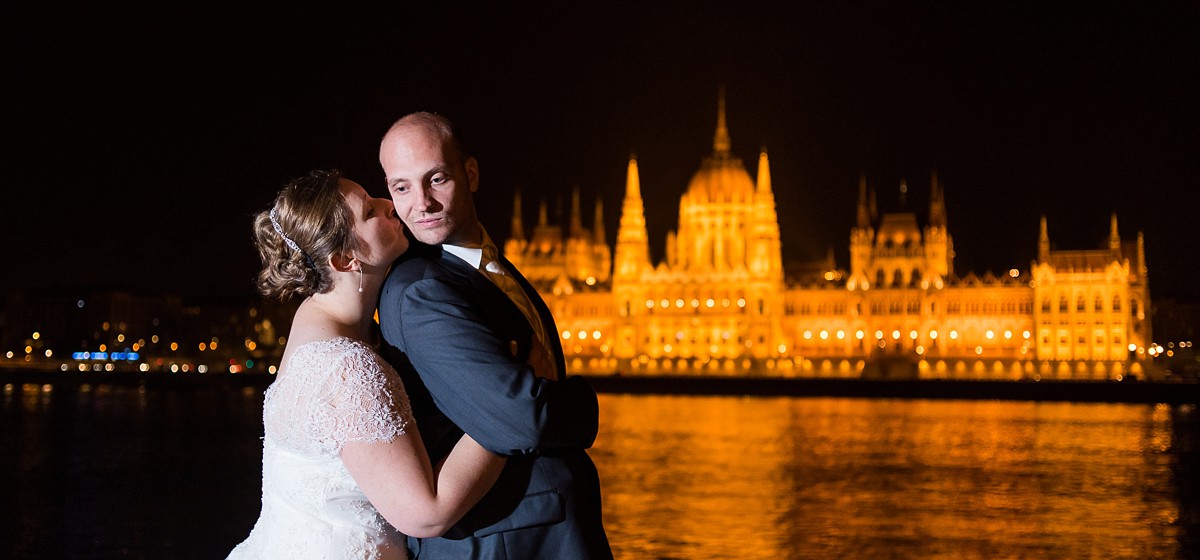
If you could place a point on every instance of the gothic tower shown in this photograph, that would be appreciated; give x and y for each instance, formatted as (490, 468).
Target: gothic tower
(633, 244)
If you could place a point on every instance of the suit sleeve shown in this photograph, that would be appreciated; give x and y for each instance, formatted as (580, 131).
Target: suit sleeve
(477, 383)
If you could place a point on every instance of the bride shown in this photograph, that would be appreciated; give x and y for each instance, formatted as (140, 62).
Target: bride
(344, 468)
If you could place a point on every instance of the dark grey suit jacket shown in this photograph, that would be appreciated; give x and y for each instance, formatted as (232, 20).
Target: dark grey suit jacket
(461, 347)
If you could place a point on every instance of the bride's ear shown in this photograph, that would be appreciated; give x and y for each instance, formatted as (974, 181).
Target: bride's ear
(343, 263)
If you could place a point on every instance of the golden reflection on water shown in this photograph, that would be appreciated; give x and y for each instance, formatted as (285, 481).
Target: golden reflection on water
(747, 477)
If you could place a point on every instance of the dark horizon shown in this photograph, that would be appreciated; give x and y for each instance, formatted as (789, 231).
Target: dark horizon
(147, 140)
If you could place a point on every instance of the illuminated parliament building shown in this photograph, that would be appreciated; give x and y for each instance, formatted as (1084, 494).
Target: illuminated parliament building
(720, 304)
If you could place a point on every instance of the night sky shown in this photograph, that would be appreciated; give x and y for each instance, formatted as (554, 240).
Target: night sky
(147, 137)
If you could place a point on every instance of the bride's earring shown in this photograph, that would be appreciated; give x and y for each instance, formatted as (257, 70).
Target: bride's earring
(360, 279)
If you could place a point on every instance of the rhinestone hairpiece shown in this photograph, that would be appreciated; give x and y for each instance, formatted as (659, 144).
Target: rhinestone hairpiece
(279, 230)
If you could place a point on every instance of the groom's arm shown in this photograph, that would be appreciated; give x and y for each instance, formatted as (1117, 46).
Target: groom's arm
(476, 381)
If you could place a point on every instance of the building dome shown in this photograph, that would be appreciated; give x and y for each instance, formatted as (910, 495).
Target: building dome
(721, 178)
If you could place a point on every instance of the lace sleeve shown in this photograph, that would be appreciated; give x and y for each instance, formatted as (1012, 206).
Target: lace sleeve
(366, 400)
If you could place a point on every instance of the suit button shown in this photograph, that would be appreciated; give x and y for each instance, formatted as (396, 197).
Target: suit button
(513, 347)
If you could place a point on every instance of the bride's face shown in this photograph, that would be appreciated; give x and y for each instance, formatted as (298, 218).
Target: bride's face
(379, 231)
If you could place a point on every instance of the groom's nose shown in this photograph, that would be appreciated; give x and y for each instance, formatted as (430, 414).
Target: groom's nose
(424, 201)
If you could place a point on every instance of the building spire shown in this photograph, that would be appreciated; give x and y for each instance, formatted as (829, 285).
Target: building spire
(633, 245)
(598, 222)
(764, 173)
(543, 221)
(633, 187)
(576, 219)
(863, 220)
(1043, 242)
(721, 138)
(518, 227)
(1114, 239)
(937, 203)
(1141, 255)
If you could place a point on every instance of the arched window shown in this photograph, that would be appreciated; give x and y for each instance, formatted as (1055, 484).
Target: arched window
(1116, 303)
(1062, 304)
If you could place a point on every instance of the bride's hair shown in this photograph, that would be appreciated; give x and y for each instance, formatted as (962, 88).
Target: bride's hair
(295, 238)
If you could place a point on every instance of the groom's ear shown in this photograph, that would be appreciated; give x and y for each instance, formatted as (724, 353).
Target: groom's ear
(343, 263)
(472, 168)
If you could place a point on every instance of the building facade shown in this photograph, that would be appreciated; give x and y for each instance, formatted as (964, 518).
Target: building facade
(720, 304)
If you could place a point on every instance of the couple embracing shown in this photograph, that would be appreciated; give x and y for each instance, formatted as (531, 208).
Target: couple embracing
(457, 435)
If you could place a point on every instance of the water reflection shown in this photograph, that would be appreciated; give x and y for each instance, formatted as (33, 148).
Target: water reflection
(115, 471)
(731, 477)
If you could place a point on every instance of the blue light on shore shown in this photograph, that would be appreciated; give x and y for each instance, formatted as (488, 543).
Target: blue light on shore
(116, 356)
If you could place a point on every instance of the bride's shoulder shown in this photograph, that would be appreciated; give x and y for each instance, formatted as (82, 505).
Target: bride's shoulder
(323, 355)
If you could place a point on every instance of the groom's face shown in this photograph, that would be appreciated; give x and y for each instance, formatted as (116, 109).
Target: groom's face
(431, 186)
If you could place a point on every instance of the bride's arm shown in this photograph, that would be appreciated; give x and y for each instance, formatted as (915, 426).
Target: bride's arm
(397, 478)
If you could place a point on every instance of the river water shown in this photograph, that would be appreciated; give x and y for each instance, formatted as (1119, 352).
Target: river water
(121, 472)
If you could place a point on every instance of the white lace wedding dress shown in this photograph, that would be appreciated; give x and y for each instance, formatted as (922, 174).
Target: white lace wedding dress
(333, 392)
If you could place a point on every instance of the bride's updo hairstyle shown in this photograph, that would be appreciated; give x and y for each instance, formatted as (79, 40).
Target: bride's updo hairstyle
(295, 238)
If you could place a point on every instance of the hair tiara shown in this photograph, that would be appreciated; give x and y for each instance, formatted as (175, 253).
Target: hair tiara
(288, 241)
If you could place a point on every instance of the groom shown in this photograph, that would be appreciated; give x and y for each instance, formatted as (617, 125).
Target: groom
(479, 353)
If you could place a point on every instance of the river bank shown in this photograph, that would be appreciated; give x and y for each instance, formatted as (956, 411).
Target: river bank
(1068, 391)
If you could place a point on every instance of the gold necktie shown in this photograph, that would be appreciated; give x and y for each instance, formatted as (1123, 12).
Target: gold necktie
(494, 270)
